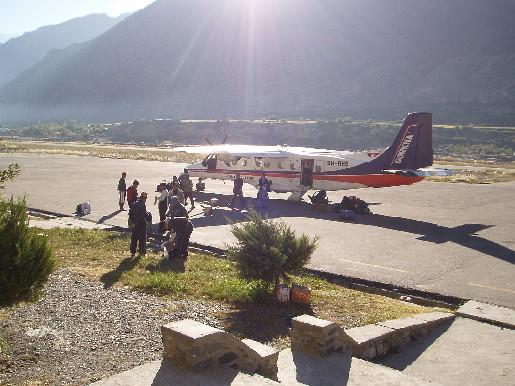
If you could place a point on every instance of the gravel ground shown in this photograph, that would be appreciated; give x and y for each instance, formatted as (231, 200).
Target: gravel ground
(80, 332)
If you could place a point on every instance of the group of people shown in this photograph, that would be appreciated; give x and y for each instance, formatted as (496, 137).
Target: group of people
(265, 186)
(173, 215)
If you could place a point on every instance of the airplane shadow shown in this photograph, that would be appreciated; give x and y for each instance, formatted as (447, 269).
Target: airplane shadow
(464, 235)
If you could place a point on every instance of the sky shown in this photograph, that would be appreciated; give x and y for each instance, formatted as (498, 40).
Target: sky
(20, 16)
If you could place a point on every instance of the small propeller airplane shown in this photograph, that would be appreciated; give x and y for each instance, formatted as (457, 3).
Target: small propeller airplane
(300, 169)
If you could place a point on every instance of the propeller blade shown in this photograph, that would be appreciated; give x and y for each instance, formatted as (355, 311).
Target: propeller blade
(208, 141)
(225, 138)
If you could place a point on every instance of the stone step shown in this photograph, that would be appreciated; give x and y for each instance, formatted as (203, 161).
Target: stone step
(294, 368)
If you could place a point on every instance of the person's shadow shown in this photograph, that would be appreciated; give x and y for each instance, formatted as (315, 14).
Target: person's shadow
(105, 218)
(127, 264)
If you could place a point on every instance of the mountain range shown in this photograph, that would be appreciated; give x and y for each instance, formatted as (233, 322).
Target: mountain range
(20, 53)
(214, 59)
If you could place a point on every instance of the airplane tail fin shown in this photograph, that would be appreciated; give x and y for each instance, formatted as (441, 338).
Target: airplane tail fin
(413, 146)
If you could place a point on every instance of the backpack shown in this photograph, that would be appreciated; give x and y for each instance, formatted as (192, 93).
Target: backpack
(83, 208)
(132, 194)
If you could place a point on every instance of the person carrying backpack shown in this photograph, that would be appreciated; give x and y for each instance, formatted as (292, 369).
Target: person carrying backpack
(132, 193)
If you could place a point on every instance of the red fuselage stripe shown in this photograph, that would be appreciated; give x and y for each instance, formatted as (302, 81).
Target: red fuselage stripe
(370, 180)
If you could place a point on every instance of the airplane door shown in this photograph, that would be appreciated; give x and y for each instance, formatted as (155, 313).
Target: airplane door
(306, 177)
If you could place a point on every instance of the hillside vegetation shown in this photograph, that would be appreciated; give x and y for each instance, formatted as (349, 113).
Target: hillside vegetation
(202, 59)
(496, 143)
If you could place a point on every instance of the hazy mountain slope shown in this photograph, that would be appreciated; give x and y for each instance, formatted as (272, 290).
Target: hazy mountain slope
(25, 51)
(324, 58)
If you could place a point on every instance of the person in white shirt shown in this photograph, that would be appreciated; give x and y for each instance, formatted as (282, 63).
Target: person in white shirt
(162, 198)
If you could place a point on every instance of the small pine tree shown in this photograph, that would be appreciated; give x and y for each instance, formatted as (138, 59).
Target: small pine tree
(268, 250)
(26, 260)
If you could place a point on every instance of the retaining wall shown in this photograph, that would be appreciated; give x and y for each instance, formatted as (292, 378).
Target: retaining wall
(198, 347)
(321, 337)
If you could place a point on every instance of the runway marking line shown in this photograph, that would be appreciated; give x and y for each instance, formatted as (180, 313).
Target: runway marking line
(375, 266)
(494, 288)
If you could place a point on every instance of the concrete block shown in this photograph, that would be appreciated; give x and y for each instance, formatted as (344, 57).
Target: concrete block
(198, 347)
(369, 332)
(490, 313)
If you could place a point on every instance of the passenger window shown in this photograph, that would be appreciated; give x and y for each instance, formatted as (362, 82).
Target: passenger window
(292, 166)
(244, 162)
(280, 165)
(259, 163)
(267, 165)
(318, 168)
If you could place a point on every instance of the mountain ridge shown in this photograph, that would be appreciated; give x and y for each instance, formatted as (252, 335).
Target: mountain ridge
(290, 58)
(22, 52)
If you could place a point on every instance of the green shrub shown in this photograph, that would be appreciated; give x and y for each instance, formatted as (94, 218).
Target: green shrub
(267, 250)
(26, 260)
(9, 174)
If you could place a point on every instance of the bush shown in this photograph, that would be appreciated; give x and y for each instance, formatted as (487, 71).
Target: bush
(26, 260)
(267, 250)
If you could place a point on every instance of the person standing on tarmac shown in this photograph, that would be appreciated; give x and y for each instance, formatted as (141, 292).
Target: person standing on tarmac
(132, 193)
(176, 191)
(122, 190)
(237, 191)
(187, 187)
(162, 200)
(138, 218)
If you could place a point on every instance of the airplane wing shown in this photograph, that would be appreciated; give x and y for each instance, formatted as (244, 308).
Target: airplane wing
(236, 150)
(425, 172)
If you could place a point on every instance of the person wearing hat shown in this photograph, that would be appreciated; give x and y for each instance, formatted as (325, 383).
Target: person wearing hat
(175, 208)
(178, 222)
(138, 218)
(176, 191)
(122, 190)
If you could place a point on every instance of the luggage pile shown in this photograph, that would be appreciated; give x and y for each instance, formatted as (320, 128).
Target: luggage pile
(352, 205)
(355, 204)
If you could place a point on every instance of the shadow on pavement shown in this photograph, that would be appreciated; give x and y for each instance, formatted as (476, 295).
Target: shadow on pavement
(322, 371)
(105, 218)
(410, 353)
(464, 235)
(169, 374)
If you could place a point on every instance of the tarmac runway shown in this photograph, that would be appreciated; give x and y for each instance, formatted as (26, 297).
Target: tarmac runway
(453, 239)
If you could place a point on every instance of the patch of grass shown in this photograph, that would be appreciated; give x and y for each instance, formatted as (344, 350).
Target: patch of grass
(488, 176)
(101, 151)
(460, 161)
(250, 310)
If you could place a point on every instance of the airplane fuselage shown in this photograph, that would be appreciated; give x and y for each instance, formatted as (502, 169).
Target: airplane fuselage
(300, 174)
(299, 169)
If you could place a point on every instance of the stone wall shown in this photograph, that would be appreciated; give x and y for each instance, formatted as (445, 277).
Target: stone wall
(198, 347)
(321, 337)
